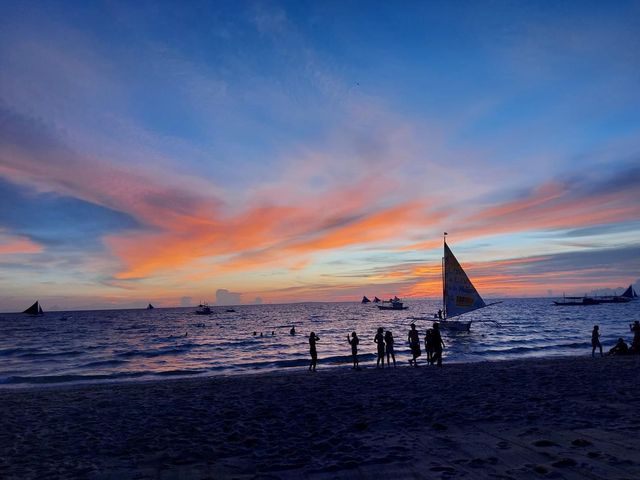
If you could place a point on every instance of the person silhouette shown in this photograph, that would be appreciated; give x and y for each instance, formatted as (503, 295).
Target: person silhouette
(595, 341)
(388, 342)
(379, 339)
(354, 341)
(438, 345)
(293, 330)
(619, 348)
(313, 338)
(414, 344)
(428, 344)
(635, 343)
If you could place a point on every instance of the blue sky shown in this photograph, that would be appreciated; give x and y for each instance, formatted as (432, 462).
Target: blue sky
(166, 149)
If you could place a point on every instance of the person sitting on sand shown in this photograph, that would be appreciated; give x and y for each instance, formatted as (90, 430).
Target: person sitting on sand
(620, 348)
(313, 338)
(635, 344)
(354, 341)
(388, 342)
(595, 341)
(428, 344)
(414, 343)
(379, 339)
(293, 330)
(438, 345)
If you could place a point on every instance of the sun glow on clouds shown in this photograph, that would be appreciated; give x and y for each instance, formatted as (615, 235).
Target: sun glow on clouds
(314, 169)
(13, 245)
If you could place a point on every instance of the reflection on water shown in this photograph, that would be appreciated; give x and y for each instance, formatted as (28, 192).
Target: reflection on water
(130, 344)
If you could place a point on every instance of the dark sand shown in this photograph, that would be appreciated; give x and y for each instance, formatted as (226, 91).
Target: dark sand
(568, 418)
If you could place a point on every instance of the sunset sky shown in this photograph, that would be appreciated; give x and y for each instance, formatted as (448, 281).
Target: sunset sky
(295, 151)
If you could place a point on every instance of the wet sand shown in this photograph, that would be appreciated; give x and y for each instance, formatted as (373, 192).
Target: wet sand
(569, 418)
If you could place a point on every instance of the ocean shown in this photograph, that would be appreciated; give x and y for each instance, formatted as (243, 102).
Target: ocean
(133, 345)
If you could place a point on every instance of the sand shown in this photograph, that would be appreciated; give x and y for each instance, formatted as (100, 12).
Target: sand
(570, 418)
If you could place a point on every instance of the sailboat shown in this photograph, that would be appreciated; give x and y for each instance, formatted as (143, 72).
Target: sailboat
(150, 307)
(365, 300)
(459, 296)
(630, 293)
(34, 309)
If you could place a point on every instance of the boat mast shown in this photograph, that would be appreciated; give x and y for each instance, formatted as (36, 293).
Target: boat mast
(444, 286)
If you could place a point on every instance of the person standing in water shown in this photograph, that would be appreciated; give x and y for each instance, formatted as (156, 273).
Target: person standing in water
(438, 345)
(414, 344)
(595, 341)
(428, 344)
(313, 338)
(388, 342)
(354, 341)
(379, 339)
(635, 344)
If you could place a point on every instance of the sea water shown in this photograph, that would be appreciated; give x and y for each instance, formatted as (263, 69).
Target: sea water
(116, 345)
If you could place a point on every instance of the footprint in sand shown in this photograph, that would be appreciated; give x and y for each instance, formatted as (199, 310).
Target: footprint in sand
(443, 469)
(581, 442)
(539, 469)
(564, 463)
(544, 443)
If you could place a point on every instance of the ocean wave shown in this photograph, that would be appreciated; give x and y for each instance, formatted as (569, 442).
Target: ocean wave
(173, 350)
(67, 353)
(18, 351)
(104, 363)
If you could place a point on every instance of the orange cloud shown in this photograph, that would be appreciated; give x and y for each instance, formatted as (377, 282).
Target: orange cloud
(14, 244)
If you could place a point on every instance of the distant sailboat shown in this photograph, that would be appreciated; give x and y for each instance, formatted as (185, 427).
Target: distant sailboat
(376, 300)
(34, 309)
(459, 296)
(365, 300)
(630, 293)
(150, 307)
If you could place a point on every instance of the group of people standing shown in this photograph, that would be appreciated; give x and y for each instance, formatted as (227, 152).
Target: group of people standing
(620, 348)
(433, 345)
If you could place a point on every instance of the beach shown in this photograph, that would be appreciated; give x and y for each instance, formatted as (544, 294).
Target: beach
(568, 418)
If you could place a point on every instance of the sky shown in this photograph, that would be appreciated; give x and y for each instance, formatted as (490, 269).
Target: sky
(175, 152)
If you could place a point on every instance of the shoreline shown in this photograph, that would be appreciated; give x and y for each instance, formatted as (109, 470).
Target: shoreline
(574, 417)
(258, 372)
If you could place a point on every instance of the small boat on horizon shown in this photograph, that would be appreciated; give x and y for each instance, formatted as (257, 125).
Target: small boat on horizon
(365, 300)
(150, 307)
(35, 309)
(575, 301)
(628, 296)
(203, 309)
(394, 304)
(376, 300)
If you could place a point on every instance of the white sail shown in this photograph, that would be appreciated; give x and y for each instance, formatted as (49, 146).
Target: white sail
(460, 296)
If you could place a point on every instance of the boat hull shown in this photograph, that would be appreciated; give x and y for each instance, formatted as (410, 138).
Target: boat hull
(382, 307)
(455, 325)
(573, 304)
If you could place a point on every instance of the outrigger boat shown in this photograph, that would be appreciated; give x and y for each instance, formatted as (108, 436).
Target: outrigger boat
(394, 304)
(575, 301)
(459, 296)
(203, 309)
